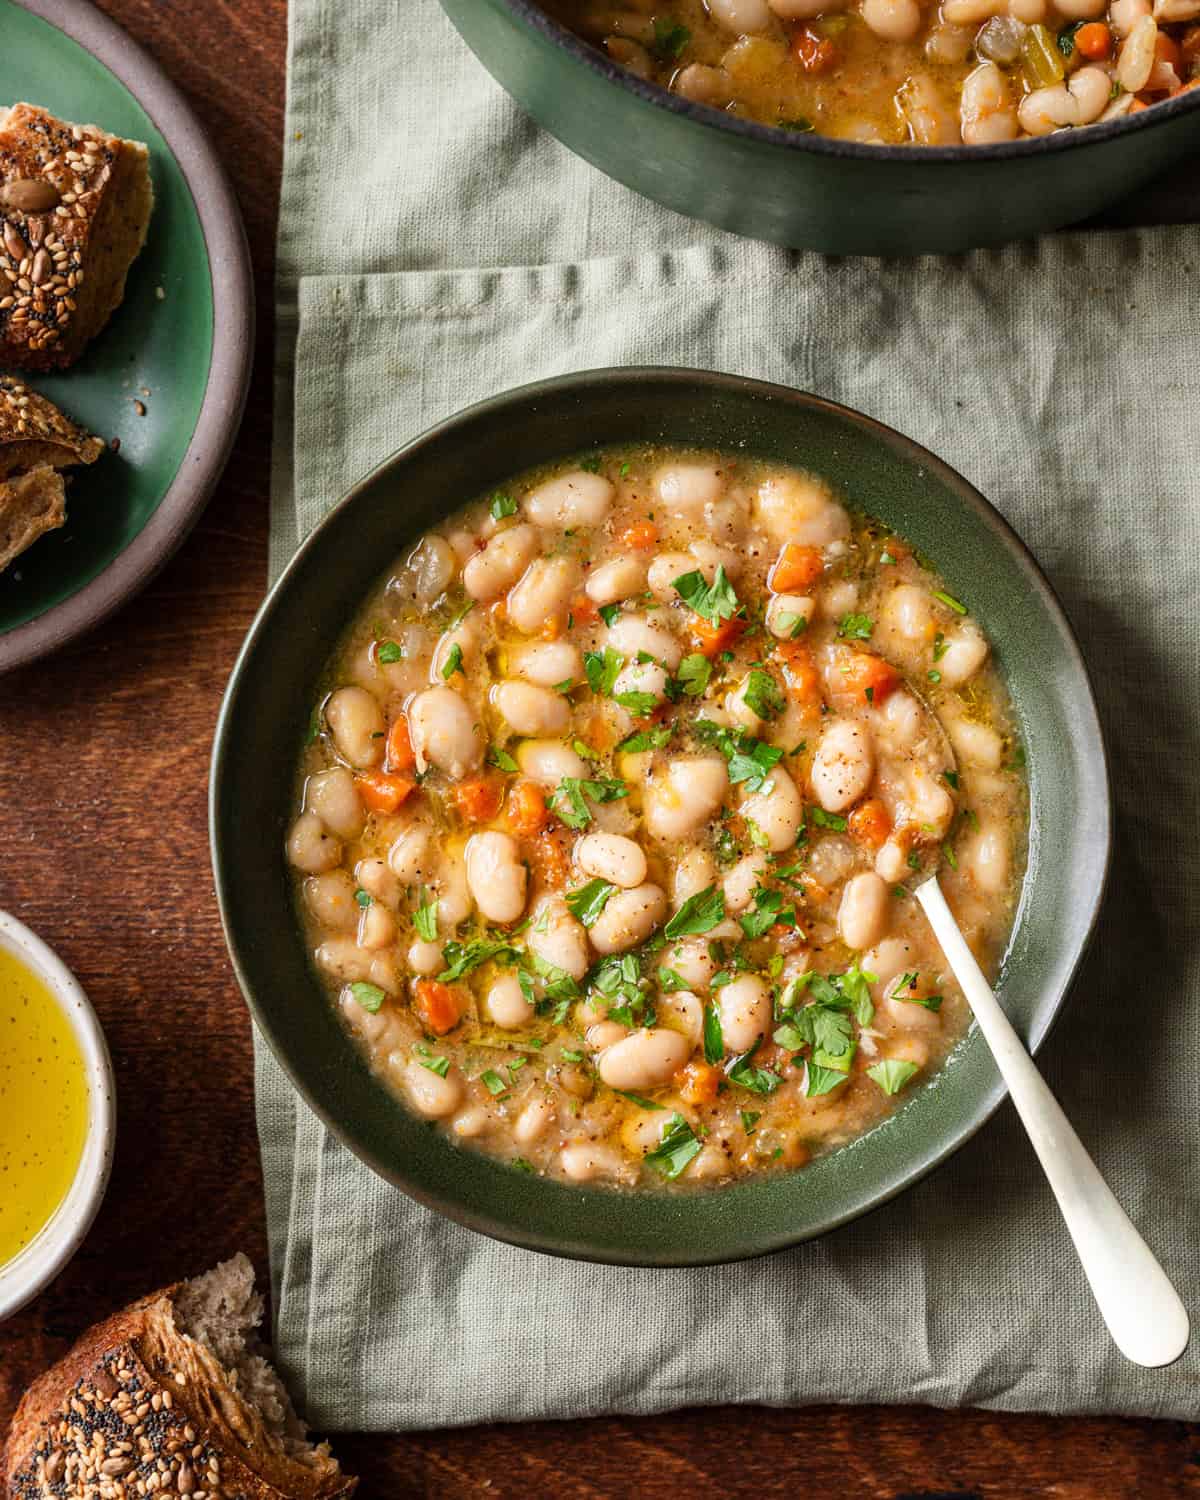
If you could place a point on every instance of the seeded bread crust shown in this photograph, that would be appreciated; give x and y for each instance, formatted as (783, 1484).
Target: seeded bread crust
(30, 505)
(137, 1403)
(75, 204)
(33, 431)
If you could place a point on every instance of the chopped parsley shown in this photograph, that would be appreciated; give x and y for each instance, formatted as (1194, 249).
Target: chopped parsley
(639, 704)
(694, 673)
(588, 901)
(892, 1074)
(714, 1039)
(952, 778)
(363, 898)
(1066, 45)
(501, 759)
(462, 958)
(750, 760)
(569, 798)
(934, 675)
(950, 602)
(670, 38)
(750, 1118)
(585, 752)
(502, 505)
(856, 627)
(767, 910)
(388, 652)
(646, 739)
(822, 1080)
(677, 1147)
(602, 669)
(670, 980)
(492, 1081)
(824, 819)
(591, 464)
(939, 646)
(438, 1065)
(713, 602)
(699, 913)
(453, 661)
(758, 1080)
(791, 624)
(639, 1099)
(762, 694)
(561, 987)
(369, 996)
(609, 612)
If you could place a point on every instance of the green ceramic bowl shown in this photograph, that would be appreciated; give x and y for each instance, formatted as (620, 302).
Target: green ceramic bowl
(808, 190)
(180, 345)
(269, 702)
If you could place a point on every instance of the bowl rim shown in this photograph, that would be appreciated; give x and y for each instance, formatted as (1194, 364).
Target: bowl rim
(530, 14)
(233, 338)
(33, 1268)
(1098, 785)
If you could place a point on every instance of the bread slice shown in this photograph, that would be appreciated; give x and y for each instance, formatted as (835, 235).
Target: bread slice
(33, 431)
(30, 505)
(75, 204)
(171, 1397)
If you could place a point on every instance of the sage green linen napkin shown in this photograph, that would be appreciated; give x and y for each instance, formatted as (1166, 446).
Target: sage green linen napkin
(1062, 379)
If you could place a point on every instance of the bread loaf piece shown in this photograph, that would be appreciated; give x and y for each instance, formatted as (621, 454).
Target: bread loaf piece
(75, 204)
(30, 505)
(33, 431)
(169, 1397)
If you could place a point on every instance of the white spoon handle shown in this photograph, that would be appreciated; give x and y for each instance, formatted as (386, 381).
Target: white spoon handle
(1147, 1320)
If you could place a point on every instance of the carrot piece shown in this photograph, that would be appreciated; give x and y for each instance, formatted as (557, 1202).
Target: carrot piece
(1189, 50)
(527, 814)
(1094, 41)
(1168, 50)
(399, 755)
(549, 858)
(698, 1083)
(642, 535)
(711, 639)
(800, 671)
(383, 791)
(867, 676)
(439, 1007)
(869, 824)
(797, 568)
(815, 54)
(478, 799)
(584, 610)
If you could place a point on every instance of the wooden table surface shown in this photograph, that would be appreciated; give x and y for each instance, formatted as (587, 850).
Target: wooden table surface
(103, 769)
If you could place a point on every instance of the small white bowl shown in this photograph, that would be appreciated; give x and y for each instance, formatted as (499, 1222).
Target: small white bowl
(23, 1277)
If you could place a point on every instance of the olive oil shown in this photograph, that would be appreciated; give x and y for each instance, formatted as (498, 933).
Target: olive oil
(43, 1106)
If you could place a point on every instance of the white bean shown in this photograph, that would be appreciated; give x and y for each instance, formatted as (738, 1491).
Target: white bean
(557, 938)
(899, 723)
(891, 862)
(683, 1012)
(863, 914)
(430, 1096)
(1080, 10)
(628, 918)
(376, 927)
(411, 858)
(630, 634)
(921, 104)
(692, 961)
(529, 709)
(644, 1060)
(803, 10)
(342, 958)
(609, 856)
(575, 499)
(1123, 15)
(843, 765)
(986, 107)
(745, 1010)
(488, 573)
(797, 508)
(776, 810)
(533, 1121)
(695, 870)
(378, 880)
(330, 898)
(614, 581)
(496, 876)
(543, 594)
(894, 20)
(334, 798)
(1081, 99)
(356, 725)
(971, 12)
(985, 858)
(907, 612)
(666, 568)
(506, 1003)
(683, 794)
(689, 487)
(976, 744)
(584, 1161)
(742, 17)
(467, 635)
(708, 558)
(1176, 10)
(424, 958)
(548, 761)
(966, 651)
(470, 1123)
(372, 1026)
(891, 957)
(454, 900)
(311, 847)
(740, 883)
(1135, 60)
(604, 1034)
(445, 732)
(641, 677)
(548, 663)
(789, 614)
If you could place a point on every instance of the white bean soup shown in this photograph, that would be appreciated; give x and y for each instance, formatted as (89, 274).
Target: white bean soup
(607, 822)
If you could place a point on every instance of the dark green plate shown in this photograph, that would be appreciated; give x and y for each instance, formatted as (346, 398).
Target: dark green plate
(274, 686)
(184, 334)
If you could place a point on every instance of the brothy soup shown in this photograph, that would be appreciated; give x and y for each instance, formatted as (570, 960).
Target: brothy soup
(899, 71)
(605, 824)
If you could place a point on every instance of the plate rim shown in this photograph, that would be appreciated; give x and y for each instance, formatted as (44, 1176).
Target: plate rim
(1101, 833)
(233, 342)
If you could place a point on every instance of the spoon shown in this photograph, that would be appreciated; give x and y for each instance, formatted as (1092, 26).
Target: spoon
(1144, 1314)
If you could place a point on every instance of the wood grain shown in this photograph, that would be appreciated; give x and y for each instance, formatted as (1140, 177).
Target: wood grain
(103, 766)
